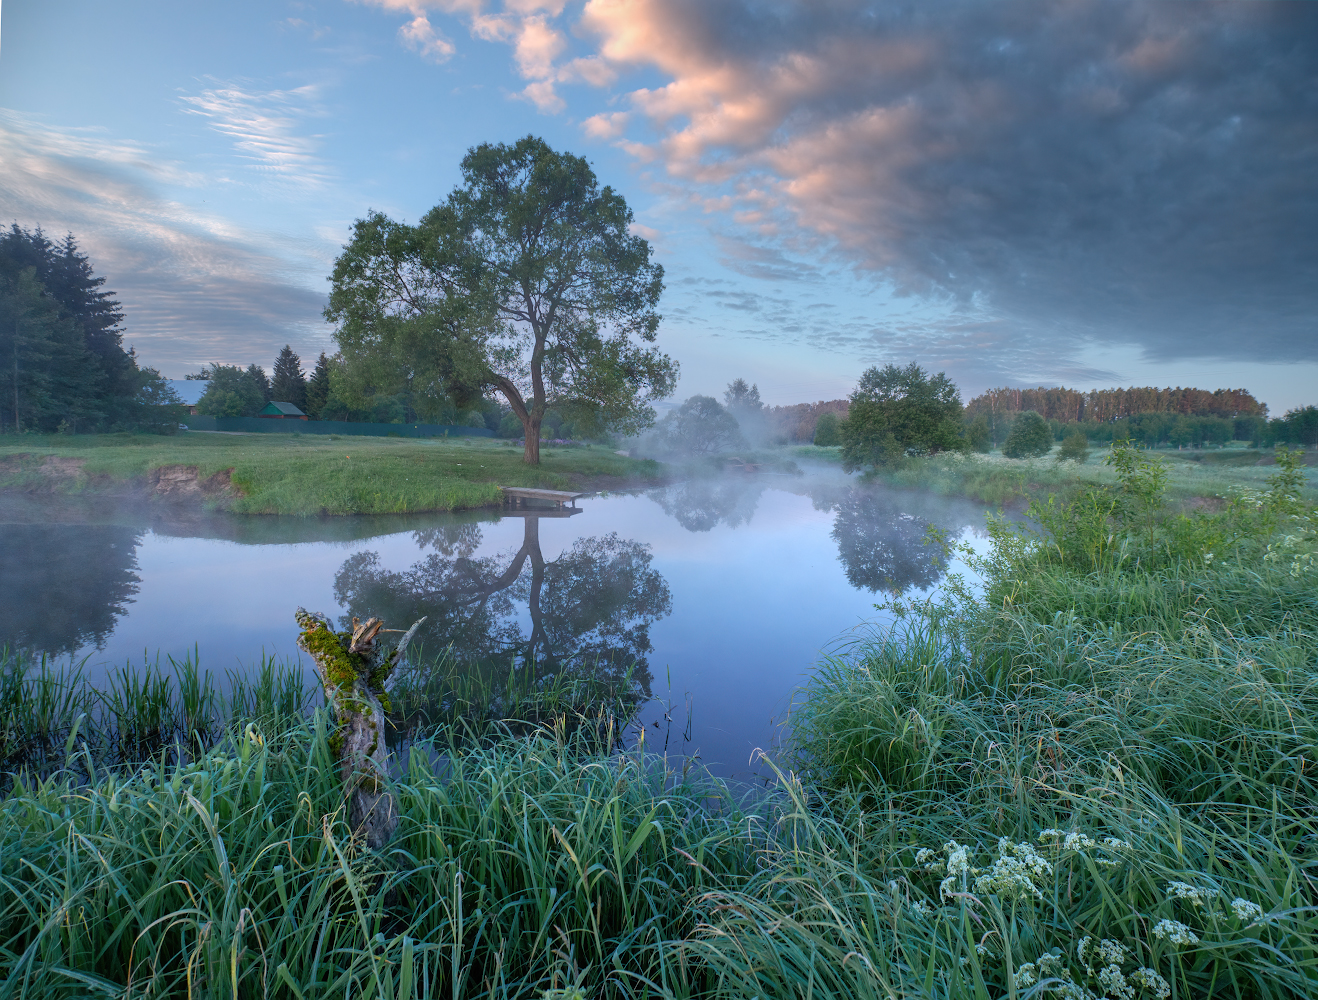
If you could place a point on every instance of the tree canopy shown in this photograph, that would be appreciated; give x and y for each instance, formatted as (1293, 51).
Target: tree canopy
(1030, 437)
(896, 412)
(232, 392)
(62, 361)
(700, 426)
(525, 281)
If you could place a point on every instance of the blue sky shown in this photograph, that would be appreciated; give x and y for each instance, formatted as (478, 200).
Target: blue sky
(1075, 193)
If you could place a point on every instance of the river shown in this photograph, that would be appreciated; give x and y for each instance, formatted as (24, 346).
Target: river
(718, 594)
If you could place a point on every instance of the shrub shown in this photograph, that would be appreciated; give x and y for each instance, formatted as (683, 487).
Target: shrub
(979, 435)
(1030, 437)
(827, 434)
(1075, 447)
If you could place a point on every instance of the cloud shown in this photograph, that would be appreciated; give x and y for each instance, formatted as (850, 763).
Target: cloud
(606, 126)
(1075, 172)
(195, 288)
(542, 95)
(265, 127)
(768, 263)
(1138, 173)
(419, 36)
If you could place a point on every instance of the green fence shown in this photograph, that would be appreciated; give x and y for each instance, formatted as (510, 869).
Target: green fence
(260, 425)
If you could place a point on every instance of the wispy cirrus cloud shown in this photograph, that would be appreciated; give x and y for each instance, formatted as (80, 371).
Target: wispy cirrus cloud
(267, 127)
(195, 288)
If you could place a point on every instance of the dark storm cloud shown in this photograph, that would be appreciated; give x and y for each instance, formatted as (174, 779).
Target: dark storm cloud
(1082, 171)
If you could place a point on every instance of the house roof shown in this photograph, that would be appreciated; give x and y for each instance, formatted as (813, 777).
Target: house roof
(284, 409)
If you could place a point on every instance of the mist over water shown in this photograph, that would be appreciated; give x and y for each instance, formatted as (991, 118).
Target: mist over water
(713, 596)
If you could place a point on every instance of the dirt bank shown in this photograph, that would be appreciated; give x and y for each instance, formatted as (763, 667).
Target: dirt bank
(27, 473)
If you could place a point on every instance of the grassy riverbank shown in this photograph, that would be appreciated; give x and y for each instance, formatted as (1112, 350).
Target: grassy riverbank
(1192, 475)
(1093, 778)
(305, 475)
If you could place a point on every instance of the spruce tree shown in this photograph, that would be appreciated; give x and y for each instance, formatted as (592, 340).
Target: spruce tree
(289, 384)
(318, 388)
(257, 374)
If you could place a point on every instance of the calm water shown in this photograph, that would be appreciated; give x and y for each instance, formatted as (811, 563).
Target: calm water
(722, 592)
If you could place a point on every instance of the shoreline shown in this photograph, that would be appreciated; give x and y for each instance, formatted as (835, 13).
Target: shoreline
(291, 475)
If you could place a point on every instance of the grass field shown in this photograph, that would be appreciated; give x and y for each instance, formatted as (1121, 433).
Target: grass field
(296, 474)
(1192, 475)
(1091, 777)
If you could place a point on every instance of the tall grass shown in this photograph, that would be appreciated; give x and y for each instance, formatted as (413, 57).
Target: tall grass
(519, 867)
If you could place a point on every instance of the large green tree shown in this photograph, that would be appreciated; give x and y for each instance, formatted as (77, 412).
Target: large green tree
(896, 412)
(525, 281)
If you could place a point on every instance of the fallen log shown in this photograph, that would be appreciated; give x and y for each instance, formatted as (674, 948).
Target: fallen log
(354, 668)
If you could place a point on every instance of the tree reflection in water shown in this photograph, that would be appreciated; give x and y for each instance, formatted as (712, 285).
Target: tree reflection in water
(702, 504)
(880, 544)
(63, 587)
(590, 612)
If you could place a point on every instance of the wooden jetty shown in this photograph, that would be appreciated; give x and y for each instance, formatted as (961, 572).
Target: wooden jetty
(517, 496)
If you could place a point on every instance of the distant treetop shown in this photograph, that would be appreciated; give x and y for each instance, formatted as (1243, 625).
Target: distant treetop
(1103, 405)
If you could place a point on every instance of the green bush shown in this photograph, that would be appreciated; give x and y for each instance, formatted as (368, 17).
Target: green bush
(1030, 437)
(1075, 447)
(979, 435)
(827, 434)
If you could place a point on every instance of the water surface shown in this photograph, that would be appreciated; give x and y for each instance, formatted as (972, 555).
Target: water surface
(717, 595)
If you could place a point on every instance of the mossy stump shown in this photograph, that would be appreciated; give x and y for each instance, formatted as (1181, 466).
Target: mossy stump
(354, 668)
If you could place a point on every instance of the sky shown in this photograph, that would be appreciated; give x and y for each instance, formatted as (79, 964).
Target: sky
(1067, 193)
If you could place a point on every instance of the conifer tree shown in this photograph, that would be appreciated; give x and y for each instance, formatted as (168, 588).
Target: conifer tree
(318, 388)
(289, 384)
(257, 374)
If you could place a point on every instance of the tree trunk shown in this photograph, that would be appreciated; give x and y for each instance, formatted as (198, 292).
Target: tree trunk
(531, 456)
(353, 668)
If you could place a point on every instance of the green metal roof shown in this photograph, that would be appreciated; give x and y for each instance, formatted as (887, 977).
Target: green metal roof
(274, 409)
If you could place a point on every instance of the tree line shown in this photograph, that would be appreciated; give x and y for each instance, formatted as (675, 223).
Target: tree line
(1104, 405)
(63, 367)
(896, 413)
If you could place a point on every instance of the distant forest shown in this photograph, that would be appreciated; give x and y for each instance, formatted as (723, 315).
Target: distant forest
(1182, 417)
(1103, 405)
(63, 366)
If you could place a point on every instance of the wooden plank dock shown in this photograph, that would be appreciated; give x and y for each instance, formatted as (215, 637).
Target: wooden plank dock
(518, 495)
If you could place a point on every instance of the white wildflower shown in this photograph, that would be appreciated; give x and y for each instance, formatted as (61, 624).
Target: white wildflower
(921, 909)
(1245, 910)
(1051, 833)
(1113, 952)
(924, 855)
(1113, 844)
(1175, 932)
(1194, 895)
(1077, 842)
(1050, 963)
(983, 952)
(1150, 980)
(1114, 983)
(947, 887)
(1015, 872)
(958, 860)
(1026, 975)
(1083, 947)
